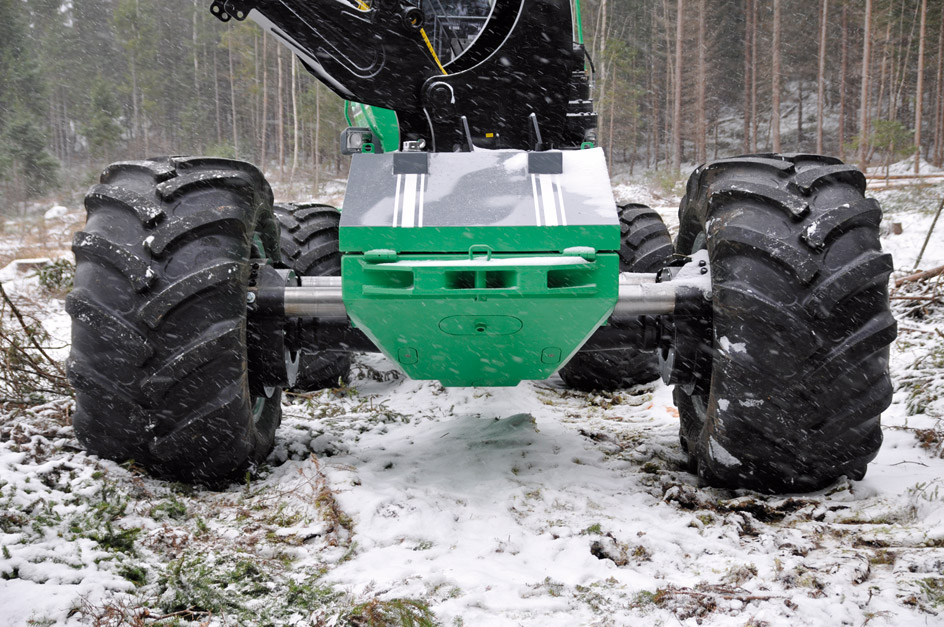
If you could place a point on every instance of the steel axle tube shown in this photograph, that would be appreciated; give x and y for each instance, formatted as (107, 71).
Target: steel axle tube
(318, 297)
(639, 295)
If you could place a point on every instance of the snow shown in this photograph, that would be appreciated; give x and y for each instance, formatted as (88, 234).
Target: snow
(731, 347)
(56, 213)
(905, 167)
(720, 453)
(533, 506)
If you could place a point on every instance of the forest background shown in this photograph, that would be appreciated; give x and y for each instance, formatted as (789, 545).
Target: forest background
(87, 82)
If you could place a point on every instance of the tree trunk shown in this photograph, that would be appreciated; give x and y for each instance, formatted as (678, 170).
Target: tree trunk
(939, 101)
(747, 73)
(667, 89)
(280, 103)
(864, 100)
(135, 100)
(232, 94)
(702, 126)
(653, 130)
(821, 76)
(634, 125)
(263, 118)
(904, 67)
(919, 90)
(294, 115)
(196, 46)
(754, 75)
(775, 80)
(843, 78)
(677, 112)
(599, 41)
(799, 141)
(317, 190)
(883, 71)
(216, 99)
(256, 115)
(611, 131)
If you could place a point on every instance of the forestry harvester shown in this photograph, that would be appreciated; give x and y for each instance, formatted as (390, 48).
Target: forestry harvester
(478, 245)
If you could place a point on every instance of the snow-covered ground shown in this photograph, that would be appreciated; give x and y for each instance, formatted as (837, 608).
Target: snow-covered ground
(390, 499)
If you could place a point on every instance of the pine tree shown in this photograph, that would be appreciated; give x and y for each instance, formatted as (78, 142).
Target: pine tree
(25, 164)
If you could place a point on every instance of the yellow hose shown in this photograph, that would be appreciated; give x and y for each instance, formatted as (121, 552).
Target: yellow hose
(429, 45)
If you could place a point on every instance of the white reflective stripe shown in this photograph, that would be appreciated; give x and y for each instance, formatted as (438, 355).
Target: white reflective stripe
(560, 199)
(396, 200)
(548, 201)
(409, 200)
(537, 205)
(419, 221)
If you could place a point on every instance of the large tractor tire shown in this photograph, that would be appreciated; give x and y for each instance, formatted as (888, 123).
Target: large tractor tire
(159, 309)
(645, 246)
(309, 243)
(792, 375)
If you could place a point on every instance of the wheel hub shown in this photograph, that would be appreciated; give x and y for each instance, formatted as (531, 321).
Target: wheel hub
(687, 346)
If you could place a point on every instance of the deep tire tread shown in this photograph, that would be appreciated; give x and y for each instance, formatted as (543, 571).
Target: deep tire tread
(309, 244)
(173, 230)
(200, 180)
(807, 296)
(809, 179)
(135, 269)
(83, 309)
(158, 169)
(872, 265)
(788, 203)
(147, 211)
(180, 291)
(159, 351)
(196, 355)
(741, 239)
(866, 213)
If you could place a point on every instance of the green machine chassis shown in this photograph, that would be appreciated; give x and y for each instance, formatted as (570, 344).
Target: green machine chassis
(482, 268)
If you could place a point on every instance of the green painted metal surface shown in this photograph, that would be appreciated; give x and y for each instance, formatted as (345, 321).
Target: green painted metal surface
(479, 319)
(382, 122)
(578, 21)
(498, 238)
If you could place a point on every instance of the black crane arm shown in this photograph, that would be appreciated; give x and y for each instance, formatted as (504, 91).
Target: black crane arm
(520, 84)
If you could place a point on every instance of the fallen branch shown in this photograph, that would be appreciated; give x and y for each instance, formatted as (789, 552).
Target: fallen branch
(920, 276)
(188, 613)
(899, 177)
(927, 239)
(913, 330)
(29, 333)
(914, 298)
(723, 593)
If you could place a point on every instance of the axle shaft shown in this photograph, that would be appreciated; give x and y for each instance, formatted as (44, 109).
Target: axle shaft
(321, 297)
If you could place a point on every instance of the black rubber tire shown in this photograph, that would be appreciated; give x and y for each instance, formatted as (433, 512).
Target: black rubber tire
(801, 323)
(645, 245)
(309, 244)
(159, 357)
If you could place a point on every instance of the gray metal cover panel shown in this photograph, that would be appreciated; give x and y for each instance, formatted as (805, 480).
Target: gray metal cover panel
(480, 188)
